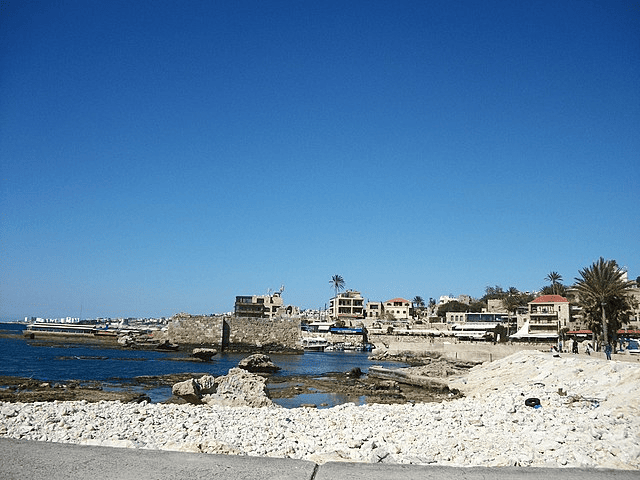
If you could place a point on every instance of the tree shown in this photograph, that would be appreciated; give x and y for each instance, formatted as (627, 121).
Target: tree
(554, 278)
(492, 293)
(605, 297)
(337, 283)
(512, 302)
(558, 289)
(418, 303)
(455, 306)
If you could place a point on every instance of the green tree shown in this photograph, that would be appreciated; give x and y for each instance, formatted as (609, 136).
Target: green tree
(455, 306)
(493, 293)
(418, 303)
(337, 283)
(605, 297)
(554, 278)
(512, 302)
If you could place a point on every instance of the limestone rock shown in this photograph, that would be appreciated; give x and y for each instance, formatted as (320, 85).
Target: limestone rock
(194, 389)
(258, 363)
(240, 388)
(187, 390)
(204, 354)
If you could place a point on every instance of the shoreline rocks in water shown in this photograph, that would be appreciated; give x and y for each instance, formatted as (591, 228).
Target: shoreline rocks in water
(258, 363)
(204, 354)
(237, 388)
(589, 416)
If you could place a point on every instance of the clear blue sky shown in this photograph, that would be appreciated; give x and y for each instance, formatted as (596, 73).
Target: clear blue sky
(166, 156)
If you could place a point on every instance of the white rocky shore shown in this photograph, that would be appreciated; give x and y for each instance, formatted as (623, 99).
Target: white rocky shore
(589, 417)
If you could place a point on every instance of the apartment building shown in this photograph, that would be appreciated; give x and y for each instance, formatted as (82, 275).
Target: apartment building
(262, 306)
(546, 316)
(373, 310)
(347, 306)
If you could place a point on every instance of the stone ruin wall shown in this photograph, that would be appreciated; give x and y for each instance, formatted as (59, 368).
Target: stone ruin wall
(233, 333)
(196, 330)
(281, 333)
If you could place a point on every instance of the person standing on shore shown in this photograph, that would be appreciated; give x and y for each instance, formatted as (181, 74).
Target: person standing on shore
(574, 345)
(607, 351)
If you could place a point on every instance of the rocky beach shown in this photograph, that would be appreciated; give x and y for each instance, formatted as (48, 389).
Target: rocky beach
(587, 414)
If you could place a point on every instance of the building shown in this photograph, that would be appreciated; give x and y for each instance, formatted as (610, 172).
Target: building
(373, 310)
(476, 317)
(496, 305)
(444, 299)
(546, 317)
(398, 308)
(263, 306)
(347, 306)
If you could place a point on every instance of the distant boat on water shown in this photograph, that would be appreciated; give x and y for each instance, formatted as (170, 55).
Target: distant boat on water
(314, 344)
(75, 329)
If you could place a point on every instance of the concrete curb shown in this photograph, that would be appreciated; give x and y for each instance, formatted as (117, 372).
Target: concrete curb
(21, 459)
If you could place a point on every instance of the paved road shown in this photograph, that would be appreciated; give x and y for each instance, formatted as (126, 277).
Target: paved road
(52, 461)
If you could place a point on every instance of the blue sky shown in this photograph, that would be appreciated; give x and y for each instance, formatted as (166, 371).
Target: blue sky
(163, 157)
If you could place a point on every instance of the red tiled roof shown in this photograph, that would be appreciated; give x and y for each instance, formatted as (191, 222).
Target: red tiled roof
(550, 299)
(398, 300)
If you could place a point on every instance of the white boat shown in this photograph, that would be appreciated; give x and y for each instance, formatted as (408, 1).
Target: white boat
(314, 344)
(58, 329)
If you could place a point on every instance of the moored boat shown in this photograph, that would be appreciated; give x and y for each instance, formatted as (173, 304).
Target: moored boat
(314, 344)
(58, 329)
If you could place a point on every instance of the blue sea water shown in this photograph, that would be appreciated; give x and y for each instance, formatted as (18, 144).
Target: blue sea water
(93, 360)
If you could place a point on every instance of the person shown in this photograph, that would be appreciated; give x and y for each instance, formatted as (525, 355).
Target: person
(587, 349)
(574, 345)
(607, 351)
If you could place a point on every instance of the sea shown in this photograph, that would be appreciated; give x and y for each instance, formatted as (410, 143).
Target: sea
(116, 368)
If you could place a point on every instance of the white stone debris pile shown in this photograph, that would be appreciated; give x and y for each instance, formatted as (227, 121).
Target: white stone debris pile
(587, 417)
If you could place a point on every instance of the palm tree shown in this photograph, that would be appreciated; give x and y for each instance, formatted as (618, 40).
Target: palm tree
(337, 283)
(511, 304)
(418, 302)
(554, 278)
(602, 289)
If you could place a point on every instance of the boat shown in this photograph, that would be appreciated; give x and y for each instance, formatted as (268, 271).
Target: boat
(77, 330)
(314, 344)
(59, 329)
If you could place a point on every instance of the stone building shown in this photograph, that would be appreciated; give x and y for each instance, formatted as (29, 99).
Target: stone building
(399, 308)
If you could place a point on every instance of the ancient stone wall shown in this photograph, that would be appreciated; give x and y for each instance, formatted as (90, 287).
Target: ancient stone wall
(196, 330)
(235, 333)
(277, 334)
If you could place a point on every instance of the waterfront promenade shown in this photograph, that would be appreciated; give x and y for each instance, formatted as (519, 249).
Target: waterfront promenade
(20, 459)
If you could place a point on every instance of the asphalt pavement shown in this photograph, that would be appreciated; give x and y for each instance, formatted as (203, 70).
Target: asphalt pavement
(20, 459)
